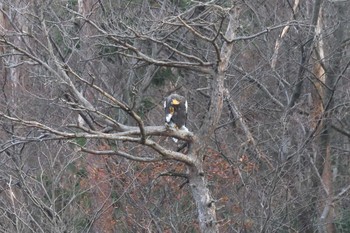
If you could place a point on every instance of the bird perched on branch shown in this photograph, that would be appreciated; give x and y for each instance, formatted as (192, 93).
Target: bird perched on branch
(176, 112)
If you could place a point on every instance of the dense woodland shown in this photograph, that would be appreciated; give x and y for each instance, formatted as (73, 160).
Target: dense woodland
(83, 145)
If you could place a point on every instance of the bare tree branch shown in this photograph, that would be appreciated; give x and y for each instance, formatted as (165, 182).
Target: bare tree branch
(122, 154)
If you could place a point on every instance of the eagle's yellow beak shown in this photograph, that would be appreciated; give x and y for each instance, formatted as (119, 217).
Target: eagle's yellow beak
(175, 102)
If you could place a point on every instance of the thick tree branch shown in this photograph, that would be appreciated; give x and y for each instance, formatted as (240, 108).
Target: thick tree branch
(123, 136)
(267, 30)
(122, 154)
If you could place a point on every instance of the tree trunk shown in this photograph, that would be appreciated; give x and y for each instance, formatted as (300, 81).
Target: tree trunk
(333, 74)
(306, 54)
(198, 182)
(204, 202)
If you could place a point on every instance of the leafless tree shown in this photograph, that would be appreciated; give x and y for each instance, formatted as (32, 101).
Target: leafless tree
(84, 146)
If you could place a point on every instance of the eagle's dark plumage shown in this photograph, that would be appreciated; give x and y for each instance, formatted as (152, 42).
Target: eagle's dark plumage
(176, 111)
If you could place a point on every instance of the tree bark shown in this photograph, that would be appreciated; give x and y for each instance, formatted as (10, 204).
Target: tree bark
(205, 203)
(332, 76)
(197, 180)
(306, 49)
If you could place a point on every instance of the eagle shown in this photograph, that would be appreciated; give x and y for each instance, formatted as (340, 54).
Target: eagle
(175, 107)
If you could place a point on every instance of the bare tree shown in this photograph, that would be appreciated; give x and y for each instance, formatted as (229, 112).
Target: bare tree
(84, 143)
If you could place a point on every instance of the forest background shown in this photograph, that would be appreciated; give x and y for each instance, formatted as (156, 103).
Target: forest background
(83, 144)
